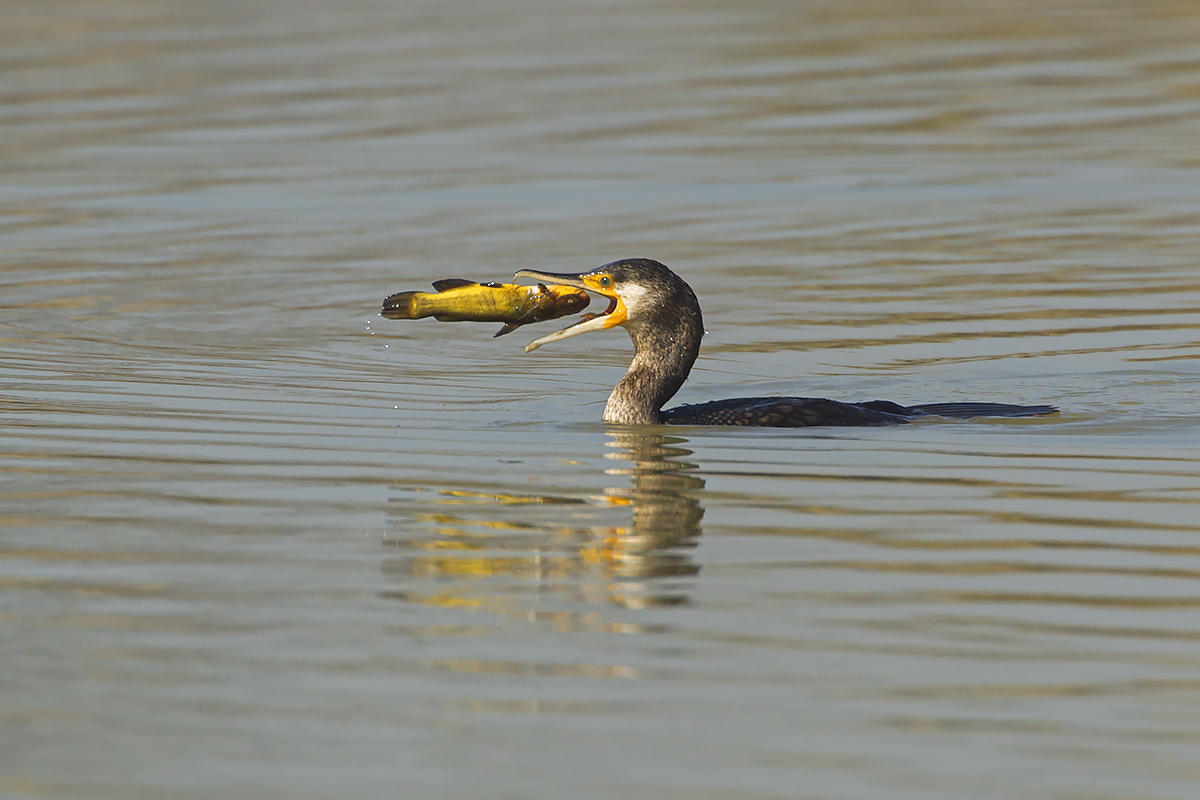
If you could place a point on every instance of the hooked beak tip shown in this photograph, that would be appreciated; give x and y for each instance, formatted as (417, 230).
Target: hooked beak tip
(559, 278)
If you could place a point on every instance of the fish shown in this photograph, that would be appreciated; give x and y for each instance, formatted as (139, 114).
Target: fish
(458, 300)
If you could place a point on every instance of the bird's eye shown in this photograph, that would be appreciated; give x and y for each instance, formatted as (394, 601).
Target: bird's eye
(605, 282)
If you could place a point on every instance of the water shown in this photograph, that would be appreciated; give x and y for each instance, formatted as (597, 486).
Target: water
(256, 541)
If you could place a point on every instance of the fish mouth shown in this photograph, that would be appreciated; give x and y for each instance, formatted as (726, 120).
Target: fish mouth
(612, 316)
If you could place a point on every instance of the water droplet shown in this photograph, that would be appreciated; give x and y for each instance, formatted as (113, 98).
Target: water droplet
(385, 347)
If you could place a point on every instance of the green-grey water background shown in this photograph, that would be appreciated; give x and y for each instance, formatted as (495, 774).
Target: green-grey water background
(257, 542)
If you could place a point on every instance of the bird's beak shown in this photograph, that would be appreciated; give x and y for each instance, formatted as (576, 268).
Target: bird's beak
(614, 315)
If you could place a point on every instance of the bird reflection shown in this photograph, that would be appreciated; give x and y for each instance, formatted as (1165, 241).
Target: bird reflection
(491, 551)
(666, 516)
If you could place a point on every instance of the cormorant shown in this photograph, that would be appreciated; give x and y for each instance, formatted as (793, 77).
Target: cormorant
(662, 316)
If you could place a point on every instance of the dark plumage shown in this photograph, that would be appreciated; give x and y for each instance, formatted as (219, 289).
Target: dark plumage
(662, 316)
(803, 412)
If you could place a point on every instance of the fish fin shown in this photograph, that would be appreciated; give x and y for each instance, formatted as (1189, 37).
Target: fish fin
(399, 306)
(542, 289)
(509, 327)
(452, 283)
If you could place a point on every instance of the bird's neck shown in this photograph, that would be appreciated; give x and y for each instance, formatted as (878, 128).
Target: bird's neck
(664, 351)
(639, 397)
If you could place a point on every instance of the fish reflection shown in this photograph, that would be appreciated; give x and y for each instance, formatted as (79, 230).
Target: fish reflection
(491, 551)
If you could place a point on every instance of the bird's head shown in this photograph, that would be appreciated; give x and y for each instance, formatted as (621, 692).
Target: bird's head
(640, 291)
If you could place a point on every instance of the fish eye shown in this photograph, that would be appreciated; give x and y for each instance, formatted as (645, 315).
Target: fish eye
(605, 281)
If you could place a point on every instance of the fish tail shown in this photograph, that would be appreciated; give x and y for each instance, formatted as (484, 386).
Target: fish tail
(403, 305)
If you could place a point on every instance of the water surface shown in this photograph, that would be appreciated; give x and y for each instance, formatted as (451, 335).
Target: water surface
(256, 541)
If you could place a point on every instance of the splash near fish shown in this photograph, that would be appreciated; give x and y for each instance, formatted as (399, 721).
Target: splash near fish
(459, 300)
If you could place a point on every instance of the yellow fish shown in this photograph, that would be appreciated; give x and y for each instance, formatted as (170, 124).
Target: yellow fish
(459, 300)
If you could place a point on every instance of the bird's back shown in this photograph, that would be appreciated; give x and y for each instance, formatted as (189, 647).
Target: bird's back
(806, 412)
